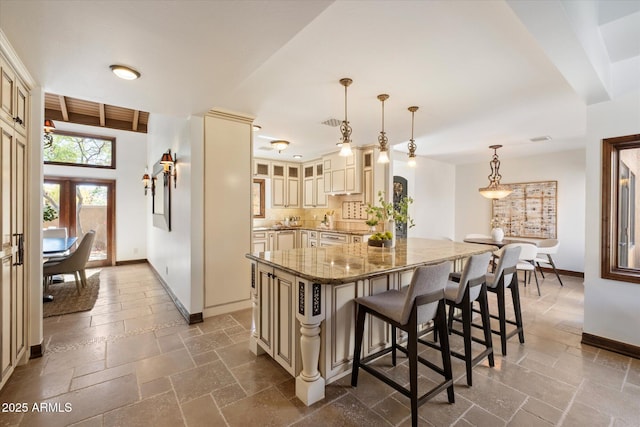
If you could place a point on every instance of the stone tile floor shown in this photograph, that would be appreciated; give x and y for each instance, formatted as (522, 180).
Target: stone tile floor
(132, 361)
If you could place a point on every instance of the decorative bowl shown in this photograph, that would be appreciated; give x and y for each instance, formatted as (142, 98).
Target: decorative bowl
(380, 243)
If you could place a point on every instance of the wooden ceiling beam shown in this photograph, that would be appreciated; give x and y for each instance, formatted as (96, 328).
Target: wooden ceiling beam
(136, 117)
(63, 108)
(102, 117)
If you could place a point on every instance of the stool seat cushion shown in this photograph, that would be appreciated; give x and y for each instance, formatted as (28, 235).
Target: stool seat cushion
(389, 303)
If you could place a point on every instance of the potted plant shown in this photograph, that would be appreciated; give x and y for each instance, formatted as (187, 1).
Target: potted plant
(388, 214)
(49, 213)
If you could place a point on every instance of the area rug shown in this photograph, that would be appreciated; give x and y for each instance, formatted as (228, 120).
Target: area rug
(66, 299)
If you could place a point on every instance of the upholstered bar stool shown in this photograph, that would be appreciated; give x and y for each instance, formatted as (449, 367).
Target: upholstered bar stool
(505, 277)
(420, 302)
(461, 295)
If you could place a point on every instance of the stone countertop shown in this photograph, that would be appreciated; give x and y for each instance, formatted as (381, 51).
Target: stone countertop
(356, 261)
(299, 227)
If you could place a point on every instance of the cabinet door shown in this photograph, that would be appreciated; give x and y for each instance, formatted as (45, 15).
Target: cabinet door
(261, 168)
(284, 320)
(321, 196)
(304, 239)
(259, 246)
(7, 92)
(5, 318)
(263, 322)
(286, 240)
(21, 108)
(293, 196)
(309, 193)
(350, 180)
(278, 192)
(6, 142)
(367, 186)
(338, 181)
(18, 202)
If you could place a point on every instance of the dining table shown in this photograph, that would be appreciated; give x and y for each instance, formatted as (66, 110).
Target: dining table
(501, 243)
(52, 246)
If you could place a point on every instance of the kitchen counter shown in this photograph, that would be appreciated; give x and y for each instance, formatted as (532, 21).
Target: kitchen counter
(357, 261)
(303, 308)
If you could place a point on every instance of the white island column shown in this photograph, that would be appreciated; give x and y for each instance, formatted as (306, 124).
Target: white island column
(309, 312)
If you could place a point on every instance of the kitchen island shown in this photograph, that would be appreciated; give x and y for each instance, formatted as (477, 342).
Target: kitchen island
(303, 309)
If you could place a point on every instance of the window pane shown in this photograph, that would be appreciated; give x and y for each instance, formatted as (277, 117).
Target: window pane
(51, 213)
(91, 214)
(80, 150)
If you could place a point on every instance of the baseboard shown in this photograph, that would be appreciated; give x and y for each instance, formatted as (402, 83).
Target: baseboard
(611, 345)
(564, 272)
(36, 351)
(191, 318)
(132, 261)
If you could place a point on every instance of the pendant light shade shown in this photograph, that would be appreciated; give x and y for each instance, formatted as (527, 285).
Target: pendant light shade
(345, 129)
(495, 190)
(412, 143)
(383, 141)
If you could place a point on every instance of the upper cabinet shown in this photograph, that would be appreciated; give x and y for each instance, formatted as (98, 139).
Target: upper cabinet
(343, 174)
(313, 185)
(261, 168)
(14, 99)
(285, 185)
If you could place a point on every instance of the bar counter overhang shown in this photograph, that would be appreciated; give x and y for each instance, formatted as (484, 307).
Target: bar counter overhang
(303, 309)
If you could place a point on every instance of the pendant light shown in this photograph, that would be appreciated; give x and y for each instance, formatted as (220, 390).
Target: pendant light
(412, 143)
(382, 138)
(345, 129)
(495, 190)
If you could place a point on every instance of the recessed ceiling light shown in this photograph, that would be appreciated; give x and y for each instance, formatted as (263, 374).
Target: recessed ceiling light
(124, 72)
(297, 156)
(541, 138)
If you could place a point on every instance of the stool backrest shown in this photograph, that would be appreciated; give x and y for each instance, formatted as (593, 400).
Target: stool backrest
(528, 251)
(509, 258)
(475, 267)
(425, 280)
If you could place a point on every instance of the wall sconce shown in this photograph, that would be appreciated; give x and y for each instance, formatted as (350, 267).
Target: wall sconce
(146, 180)
(47, 140)
(168, 162)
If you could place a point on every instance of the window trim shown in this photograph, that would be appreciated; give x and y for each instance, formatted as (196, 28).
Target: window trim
(86, 135)
(609, 209)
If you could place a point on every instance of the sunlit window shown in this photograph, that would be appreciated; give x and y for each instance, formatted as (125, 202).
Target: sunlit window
(81, 150)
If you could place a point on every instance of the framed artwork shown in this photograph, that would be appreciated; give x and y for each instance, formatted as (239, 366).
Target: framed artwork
(531, 210)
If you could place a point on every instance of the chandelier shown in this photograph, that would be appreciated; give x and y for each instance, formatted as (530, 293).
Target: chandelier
(495, 190)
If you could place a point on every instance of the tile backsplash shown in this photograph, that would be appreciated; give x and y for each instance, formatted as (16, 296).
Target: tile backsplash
(311, 217)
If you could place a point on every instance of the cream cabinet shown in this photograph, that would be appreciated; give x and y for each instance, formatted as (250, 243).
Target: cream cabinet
(14, 99)
(313, 189)
(261, 168)
(276, 328)
(343, 175)
(260, 241)
(285, 239)
(285, 185)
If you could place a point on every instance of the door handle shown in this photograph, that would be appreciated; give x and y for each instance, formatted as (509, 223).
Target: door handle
(20, 254)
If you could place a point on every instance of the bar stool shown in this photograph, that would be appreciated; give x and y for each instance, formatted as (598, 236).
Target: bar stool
(505, 277)
(420, 302)
(461, 295)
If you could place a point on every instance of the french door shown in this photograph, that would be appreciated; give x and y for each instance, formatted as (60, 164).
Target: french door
(81, 205)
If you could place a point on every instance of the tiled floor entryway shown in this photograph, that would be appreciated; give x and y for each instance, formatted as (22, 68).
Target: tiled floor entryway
(132, 361)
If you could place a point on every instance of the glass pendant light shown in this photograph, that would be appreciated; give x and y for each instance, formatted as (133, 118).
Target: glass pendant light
(345, 129)
(382, 138)
(412, 143)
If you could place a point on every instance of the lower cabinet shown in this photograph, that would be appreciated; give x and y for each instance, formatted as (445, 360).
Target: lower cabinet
(277, 328)
(260, 241)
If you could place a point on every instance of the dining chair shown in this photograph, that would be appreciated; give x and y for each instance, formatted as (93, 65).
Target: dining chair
(461, 291)
(75, 263)
(60, 232)
(528, 252)
(548, 247)
(505, 276)
(420, 302)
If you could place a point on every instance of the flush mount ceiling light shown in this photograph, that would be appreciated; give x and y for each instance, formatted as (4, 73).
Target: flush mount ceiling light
(495, 190)
(345, 129)
(124, 72)
(412, 143)
(279, 145)
(541, 138)
(297, 156)
(257, 128)
(382, 138)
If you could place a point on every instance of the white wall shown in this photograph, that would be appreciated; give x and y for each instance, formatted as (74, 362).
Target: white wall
(610, 307)
(432, 187)
(473, 212)
(131, 209)
(170, 252)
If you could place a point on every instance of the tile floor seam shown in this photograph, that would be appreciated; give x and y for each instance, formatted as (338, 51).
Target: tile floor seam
(570, 404)
(626, 374)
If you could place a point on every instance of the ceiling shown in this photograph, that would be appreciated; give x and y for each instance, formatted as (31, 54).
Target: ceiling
(482, 72)
(73, 110)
